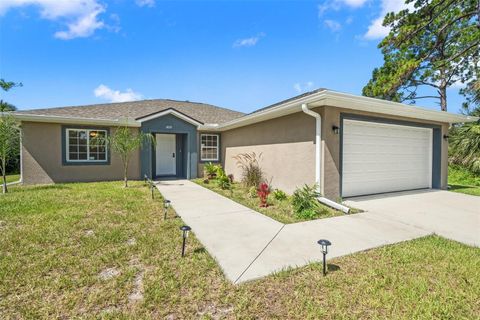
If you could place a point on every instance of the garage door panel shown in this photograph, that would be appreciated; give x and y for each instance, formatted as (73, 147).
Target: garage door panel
(381, 158)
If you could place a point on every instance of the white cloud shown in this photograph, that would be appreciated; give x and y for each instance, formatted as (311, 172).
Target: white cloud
(104, 92)
(336, 5)
(81, 17)
(353, 3)
(301, 88)
(376, 30)
(145, 3)
(248, 42)
(333, 25)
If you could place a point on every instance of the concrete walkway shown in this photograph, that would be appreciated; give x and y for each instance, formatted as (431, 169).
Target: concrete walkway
(233, 234)
(248, 245)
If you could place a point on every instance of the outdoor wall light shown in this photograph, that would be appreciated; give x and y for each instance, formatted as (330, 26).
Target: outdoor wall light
(166, 205)
(335, 129)
(185, 230)
(324, 245)
(445, 137)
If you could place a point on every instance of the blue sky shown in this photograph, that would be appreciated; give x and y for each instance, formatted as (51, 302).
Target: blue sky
(242, 55)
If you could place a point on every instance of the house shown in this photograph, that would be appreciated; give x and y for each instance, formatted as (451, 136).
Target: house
(349, 145)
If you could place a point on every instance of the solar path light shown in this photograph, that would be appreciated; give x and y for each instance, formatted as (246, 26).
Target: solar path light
(152, 188)
(185, 230)
(324, 245)
(166, 205)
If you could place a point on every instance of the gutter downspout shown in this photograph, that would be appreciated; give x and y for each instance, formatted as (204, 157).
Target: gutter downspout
(318, 160)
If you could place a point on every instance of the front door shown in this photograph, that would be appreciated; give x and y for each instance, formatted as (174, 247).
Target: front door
(165, 155)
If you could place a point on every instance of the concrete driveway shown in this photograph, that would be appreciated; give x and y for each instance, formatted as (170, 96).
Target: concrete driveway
(451, 215)
(248, 245)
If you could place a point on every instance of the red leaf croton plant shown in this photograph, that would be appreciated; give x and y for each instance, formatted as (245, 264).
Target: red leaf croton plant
(263, 191)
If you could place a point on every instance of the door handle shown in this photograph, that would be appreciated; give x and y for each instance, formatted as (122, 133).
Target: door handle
(173, 155)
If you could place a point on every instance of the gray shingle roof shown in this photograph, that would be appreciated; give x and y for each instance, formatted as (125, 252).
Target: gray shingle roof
(306, 94)
(204, 113)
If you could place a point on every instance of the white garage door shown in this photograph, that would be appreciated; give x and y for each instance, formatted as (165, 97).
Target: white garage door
(381, 158)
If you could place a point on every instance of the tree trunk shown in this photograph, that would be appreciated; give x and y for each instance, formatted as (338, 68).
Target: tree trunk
(125, 179)
(442, 90)
(4, 176)
(4, 185)
(125, 172)
(443, 97)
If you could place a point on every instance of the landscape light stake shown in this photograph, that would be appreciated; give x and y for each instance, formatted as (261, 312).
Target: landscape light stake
(152, 187)
(185, 230)
(166, 205)
(324, 244)
(145, 179)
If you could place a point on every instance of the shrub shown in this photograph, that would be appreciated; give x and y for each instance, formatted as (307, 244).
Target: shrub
(222, 179)
(252, 174)
(263, 192)
(252, 192)
(307, 214)
(304, 201)
(279, 195)
(210, 170)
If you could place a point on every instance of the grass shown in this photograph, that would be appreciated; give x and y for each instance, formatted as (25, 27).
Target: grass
(56, 240)
(281, 211)
(464, 181)
(13, 178)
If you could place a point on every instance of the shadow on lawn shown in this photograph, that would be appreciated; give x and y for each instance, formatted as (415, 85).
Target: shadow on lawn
(45, 187)
(453, 187)
(199, 250)
(333, 267)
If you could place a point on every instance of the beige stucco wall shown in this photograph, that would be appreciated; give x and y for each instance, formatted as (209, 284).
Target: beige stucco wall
(42, 158)
(287, 147)
(330, 117)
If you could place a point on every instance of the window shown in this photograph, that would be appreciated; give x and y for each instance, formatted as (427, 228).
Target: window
(209, 147)
(84, 145)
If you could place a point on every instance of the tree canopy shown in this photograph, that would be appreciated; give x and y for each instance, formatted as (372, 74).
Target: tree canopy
(431, 45)
(6, 86)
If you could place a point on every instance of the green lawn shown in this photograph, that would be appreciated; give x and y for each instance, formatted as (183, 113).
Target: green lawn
(279, 210)
(12, 178)
(58, 241)
(464, 181)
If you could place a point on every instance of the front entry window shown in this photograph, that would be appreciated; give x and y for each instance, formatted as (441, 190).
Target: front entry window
(209, 147)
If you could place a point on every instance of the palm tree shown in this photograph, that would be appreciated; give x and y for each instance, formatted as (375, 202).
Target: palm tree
(124, 141)
(465, 139)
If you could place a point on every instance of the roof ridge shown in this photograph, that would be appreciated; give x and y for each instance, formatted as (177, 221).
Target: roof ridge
(290, 99)
(133, 101)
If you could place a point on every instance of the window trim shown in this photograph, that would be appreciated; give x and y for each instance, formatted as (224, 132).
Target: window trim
(66, 144)
(217, 158)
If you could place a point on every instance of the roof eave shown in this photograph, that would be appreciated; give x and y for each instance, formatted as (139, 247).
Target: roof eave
(347, 101)
(75, 120)
(283, 109)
